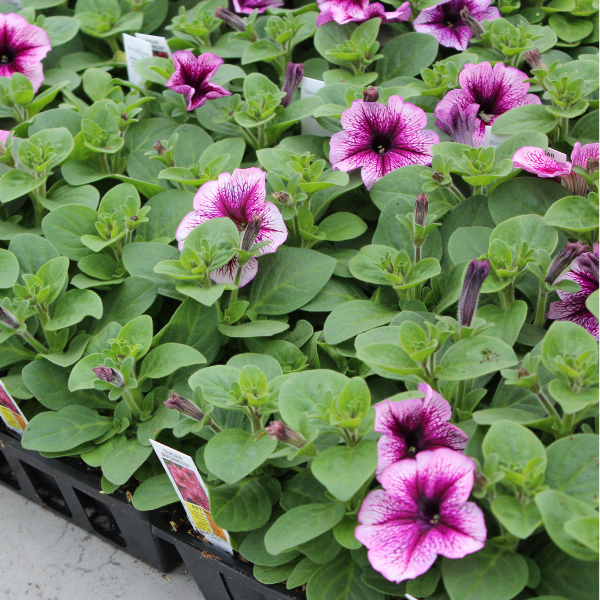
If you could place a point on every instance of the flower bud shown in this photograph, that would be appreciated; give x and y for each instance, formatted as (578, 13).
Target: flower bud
(371, 95)
(184, 406)
(251, 232)
(472, 23)
(437, 177)
(477, 271)
(421, 209)
(294, 72)
(282, 198)
(564, 258)
(278, 430)
(8, 319)
(230, 18)
(110, 376)
(592, 165)
(159, 148)
(534, 60)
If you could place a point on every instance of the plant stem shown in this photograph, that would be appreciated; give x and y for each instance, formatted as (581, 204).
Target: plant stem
(457, 192)
(112, 42)
(540, 314)
(234, 293)
(33, 342)
(134, 400)
(548, 405)
(563, 128)
(460, 393)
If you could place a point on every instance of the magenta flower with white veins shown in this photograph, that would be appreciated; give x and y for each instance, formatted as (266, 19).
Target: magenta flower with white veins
(445, 23)
(534, 160)
(247, 6)
(359, 11)
(496, 90)
(22, 48)
(239, 196)
(571, 306)
(422, 511)
(415, 425)
(459, 123)
(191, 77)
(381, 139)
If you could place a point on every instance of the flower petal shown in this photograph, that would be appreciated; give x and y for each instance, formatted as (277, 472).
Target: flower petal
(534, 160)
(581, 154)
(228, 273)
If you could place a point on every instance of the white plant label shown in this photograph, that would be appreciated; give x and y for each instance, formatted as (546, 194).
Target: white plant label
(192, 492)
(310, 126)
(160, 47)
(135, 49)
(10, 413)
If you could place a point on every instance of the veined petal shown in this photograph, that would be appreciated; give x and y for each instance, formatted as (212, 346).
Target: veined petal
(188, 224)
(244, 192)
(207, 200)
(228, 273)
(273, 228)
(581, 154)
(534, 160)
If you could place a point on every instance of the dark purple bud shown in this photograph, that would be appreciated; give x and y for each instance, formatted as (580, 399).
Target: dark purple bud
(184, 406)
(472, 23)
(588, 263)
(371, 95)
(294, 72)
(230, 18)
(421, 209)
(438, 177)
(252, 231)
(534, 60)
(477, 271)
(282, 197)
(278, 430)
(110, 376)
(8, 319)
(592, 165)
(521, 373)
(159, 148)
(564, 258)
(124, 116)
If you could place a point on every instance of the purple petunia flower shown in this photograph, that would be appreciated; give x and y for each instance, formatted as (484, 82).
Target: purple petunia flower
(534, 160)
(240, 197)
(459, 123)
(381, 139)
(413, 426)
(191, 77)
(421, 512)
(247, 6)
(496, 90)
(358, 11)
(22, 48)
(445, 23)
(571, 306)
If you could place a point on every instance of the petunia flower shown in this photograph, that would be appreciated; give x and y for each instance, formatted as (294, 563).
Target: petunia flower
(534, 160)
(191, 77)
(459, 123)
(571, 306)
(247, 6)
(240, 197)
(496, 90)
(359, 11)
(421, 512)
(22, 48)
(445, 23)
(381, 139)
(188, 484)
(413, 426)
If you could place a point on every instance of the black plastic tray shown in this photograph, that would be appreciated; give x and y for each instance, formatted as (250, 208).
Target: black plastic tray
(218, 575)
(74, 493)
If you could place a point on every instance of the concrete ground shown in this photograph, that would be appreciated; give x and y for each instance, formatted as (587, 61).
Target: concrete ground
(44, 557)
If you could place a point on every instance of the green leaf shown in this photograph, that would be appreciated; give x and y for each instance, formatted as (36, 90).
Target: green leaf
(531, 117)
(271, 575)
(520, 520)
(17, 183)
(252, 329)
(526, 228)
(568, 29)
(123, 461)
(467, 243)
(585, 531)
(484, 575)
(73, 307)
(166, 359)
(82, 377)
(556, 509)
(232, 454)
(64, 227)
(342, 226)
(302, 524)
(573, 467)
(343, 470)
(288, 279)
(156, 492)
(65, 429)
(32, 251)
(405, 55)
(474, 357)
(9, 269)
(167, 210)
(302, 489)
(355, 317)
(507, 321)
(253, 549)
(573, 213)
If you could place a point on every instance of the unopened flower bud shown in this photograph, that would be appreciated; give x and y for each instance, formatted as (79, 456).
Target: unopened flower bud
(437, 177)
(282, 198)
(110, 376)
(564, 258)
(421, 209)
(278, 430)
(588, 262)
(252, 231)
(124, 116)
(294, 72)
(184, 406)
(371, 95)
(592, 165)
(472, 23)
(8, 319)
(534, 60)
(521, 373)
(477, 271)
(230, 18)
(159, 148)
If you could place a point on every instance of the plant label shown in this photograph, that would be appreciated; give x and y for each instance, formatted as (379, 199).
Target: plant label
(159, 44)
(310, 126)
(493, 140)
(10, 413)
(135, 49)
(192, 492)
